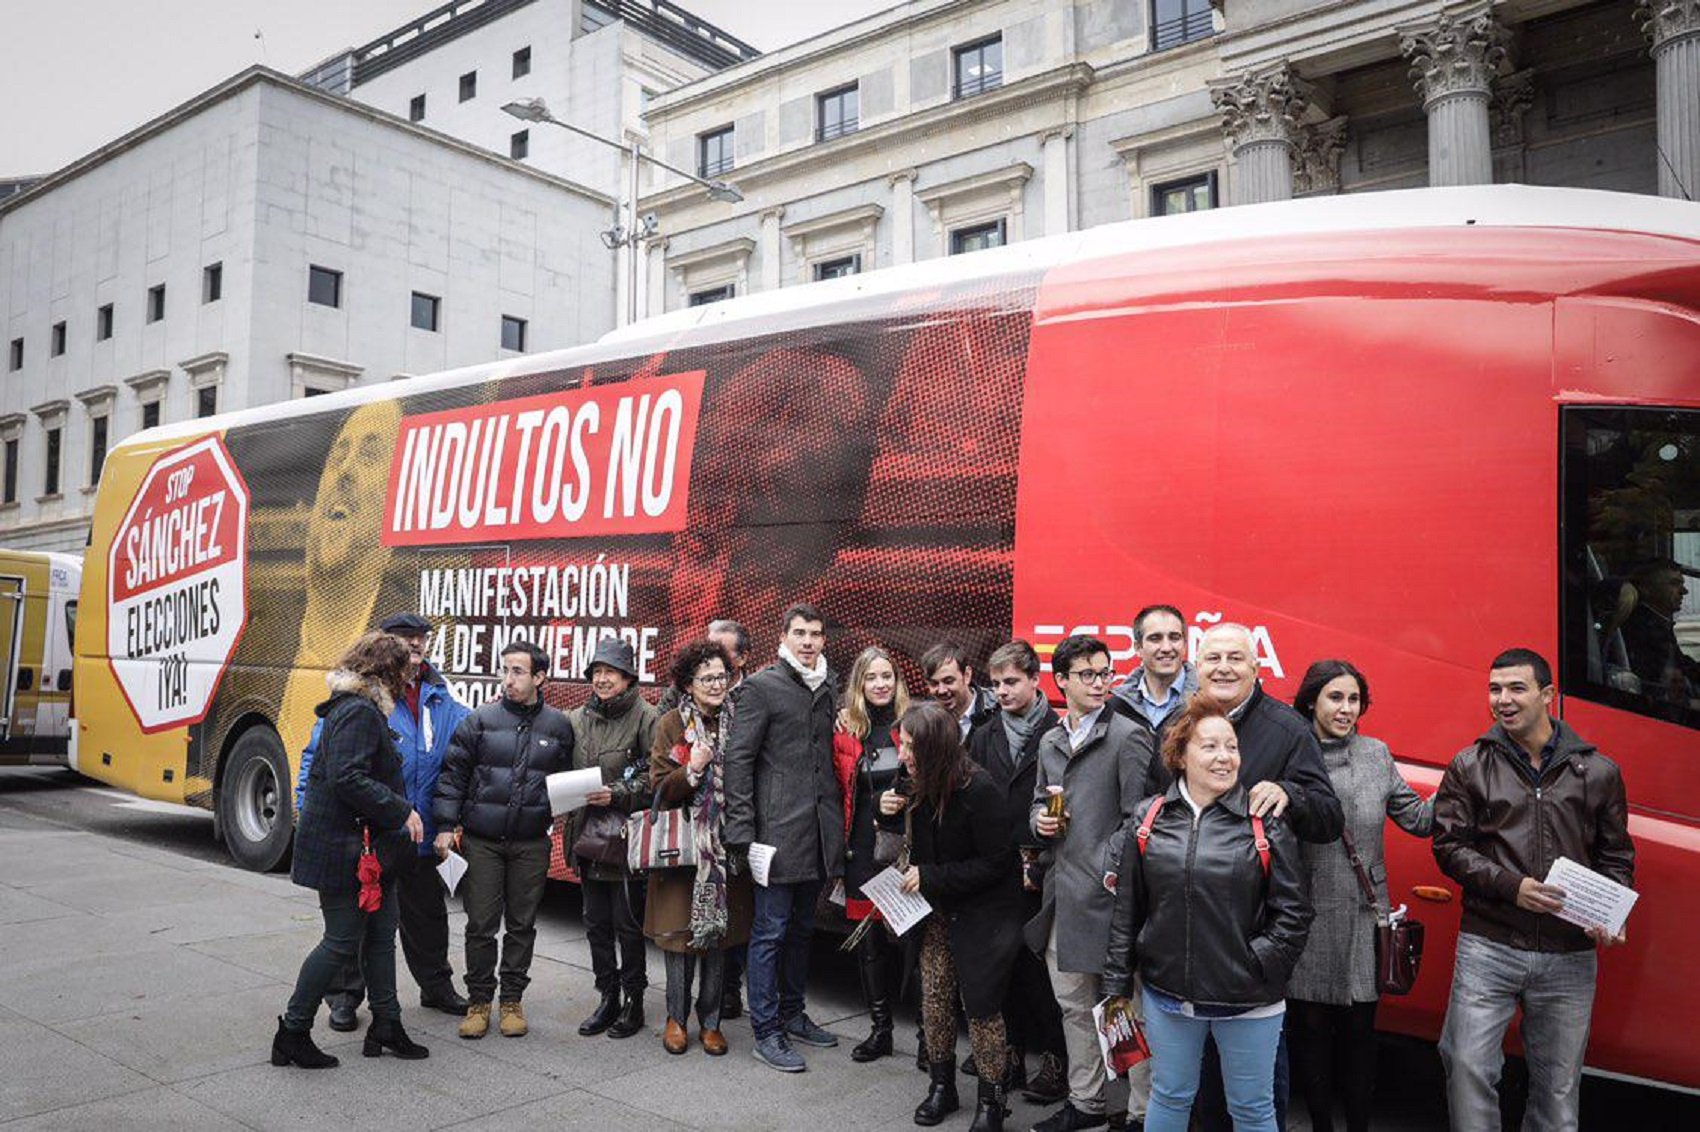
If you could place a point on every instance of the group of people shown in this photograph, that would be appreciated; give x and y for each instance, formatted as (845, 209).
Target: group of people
(1177, 844)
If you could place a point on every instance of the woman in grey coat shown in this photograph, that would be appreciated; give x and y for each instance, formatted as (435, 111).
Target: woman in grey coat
(1332, 995)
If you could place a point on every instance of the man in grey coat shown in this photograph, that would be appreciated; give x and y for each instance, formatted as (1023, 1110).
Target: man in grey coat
(782, 792)
(1099, 760)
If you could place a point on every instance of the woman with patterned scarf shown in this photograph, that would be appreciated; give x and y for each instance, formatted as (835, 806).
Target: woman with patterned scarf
(695, 914)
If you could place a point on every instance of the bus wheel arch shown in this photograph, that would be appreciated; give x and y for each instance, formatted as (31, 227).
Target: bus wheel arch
(254, 797)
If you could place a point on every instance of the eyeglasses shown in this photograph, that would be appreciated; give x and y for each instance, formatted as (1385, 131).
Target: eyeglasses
(718, 681)
(1094, 675)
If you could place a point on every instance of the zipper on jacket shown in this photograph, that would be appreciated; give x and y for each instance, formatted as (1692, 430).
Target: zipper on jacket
(1186, 878)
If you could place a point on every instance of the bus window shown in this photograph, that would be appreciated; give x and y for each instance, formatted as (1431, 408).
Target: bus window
(71, 626)
(1631, 560)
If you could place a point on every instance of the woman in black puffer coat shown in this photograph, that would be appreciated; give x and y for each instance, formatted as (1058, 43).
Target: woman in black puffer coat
(355, 793)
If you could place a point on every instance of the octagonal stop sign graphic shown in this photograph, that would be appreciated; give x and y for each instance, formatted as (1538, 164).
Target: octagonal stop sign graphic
(177, 585)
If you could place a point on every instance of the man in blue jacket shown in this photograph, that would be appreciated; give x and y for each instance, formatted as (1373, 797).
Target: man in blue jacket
(422, 722)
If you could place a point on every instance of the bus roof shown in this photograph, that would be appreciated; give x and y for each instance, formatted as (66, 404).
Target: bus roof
(1482, 206)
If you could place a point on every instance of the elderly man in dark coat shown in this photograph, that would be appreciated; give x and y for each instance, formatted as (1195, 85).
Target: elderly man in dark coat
(782, 792)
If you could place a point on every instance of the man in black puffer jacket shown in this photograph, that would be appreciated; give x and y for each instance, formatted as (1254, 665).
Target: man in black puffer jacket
(491, 794)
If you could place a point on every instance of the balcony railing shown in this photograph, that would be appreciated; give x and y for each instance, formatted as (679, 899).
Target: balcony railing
(979, 84)
(1184, 28)
(830, 130)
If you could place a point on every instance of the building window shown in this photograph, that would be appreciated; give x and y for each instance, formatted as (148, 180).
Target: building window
(838, 268)
(978, 237)
(522, 62)
(51, 480)
(11, 491)
(103, 323)
(712, 295)
(206, 401)
(150, 415)
(212, 282)
(156, 302)
(513, 333)
(469, 86)
(97, 448)
(324, 286)
(979, 67)
(313, 391)
(714, 152)
(56, 340)
(1174, 22)
(1189, 194)
(15, 359)
(519, 145)
(426, 310)
(837, 113)
(416, 109)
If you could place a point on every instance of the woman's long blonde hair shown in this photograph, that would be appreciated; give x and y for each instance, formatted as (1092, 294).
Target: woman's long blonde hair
(855, 713)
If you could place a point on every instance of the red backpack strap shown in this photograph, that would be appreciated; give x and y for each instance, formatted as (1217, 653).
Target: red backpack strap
(1143, 834)
(1261, 840)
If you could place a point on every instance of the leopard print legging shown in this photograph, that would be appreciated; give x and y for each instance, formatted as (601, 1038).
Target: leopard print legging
(938, 1007)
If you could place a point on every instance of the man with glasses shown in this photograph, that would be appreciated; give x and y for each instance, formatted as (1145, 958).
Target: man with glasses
(1098, 760)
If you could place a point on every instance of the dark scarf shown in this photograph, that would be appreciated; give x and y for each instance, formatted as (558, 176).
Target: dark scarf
(613, 708)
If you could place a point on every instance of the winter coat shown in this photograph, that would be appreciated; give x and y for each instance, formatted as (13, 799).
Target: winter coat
(356, 780)
(781, 789)
(1102, 783)
(1494, 825)
(667, 912)
(1125, 698)
(1197, 918)
(492, 783)
(615, 735)
(1338, 965)
(861, 784)
(989, 747)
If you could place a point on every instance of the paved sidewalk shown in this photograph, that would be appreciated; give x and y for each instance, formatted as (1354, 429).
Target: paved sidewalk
(140, 989)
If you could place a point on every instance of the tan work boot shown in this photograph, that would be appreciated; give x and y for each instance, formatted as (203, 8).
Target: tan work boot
(513, 1020)
(477, 1021)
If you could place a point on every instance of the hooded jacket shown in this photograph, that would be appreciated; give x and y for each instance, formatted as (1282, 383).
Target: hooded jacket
(615, 736)
(492, 782)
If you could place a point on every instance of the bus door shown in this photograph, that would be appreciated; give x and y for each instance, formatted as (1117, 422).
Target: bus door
(11, 645)
(53, 706)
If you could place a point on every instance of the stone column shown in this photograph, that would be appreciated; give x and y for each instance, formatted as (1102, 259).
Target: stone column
(770, 247)
(1674, 27)
(903, 217)
(1059, 187)
(1453, 63)
(654, 297)
(1261, 115)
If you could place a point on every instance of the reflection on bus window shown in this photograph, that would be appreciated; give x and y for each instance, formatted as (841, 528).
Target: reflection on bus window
(1631, 483)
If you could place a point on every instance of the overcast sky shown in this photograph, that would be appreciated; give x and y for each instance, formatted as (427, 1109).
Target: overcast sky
(74, 74)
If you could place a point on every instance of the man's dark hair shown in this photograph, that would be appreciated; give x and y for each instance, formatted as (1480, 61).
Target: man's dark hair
(1071, 650)
(1139, 619)
(1516, 658)
(1017, 654)
(539, 659)
(1648, 568)
(692, 657)
(1317, 677)
(800, 611)
(740, 635)
(941, 654)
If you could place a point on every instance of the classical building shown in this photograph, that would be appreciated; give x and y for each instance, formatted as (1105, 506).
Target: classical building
(943, 126)
(262, 241)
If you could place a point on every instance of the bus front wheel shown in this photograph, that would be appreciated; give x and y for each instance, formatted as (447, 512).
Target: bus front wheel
(254, 806)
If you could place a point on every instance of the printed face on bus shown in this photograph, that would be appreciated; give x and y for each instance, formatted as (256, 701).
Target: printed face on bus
(1212, 758)
(1162, 644)
(805, 639)
(607, 681)
(1227, 665)
(342, 533)
(879, 683)
(1015, 690)
(1087, 683)
(1517, 700)
(1338, 706)
(708, 684)
(519, 683)
(952, 687)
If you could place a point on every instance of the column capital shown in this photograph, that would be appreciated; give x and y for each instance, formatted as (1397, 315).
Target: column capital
(1063, 132)
(1512, 97)
(1666, 21)
(894, 179)
(1457, 53)
(1316, 161)
(773, 212)
(1261, 106)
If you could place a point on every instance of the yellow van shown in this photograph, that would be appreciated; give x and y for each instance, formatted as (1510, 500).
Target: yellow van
(38, 622)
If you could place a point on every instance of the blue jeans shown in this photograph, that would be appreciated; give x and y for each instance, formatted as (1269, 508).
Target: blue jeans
(1247, 1047)
(779, 953)
(350, 936)
(1556, 992)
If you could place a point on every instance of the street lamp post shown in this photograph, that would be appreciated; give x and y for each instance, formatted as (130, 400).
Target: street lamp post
(629, 231)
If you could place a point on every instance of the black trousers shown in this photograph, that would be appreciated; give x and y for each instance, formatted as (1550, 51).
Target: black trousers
(1333, 1059)
(424, 933)
(613, 915)
(1030, 1011)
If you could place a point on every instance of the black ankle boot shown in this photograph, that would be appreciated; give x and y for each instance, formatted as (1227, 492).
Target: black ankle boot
(989, 1108)
(1015, 1075)
(387, 1034)
(871, 967)
(630, 1020)
(603, 1016)
(295, 1047)
(941, 1097)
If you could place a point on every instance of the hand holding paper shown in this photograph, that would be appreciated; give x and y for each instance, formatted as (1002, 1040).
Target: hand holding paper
(570, 789)
(1591, 901)
(451, 868)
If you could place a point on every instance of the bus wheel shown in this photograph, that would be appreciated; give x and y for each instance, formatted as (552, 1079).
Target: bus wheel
(254, 803)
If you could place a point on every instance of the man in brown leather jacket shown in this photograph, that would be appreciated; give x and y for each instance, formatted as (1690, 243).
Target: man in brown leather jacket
(1526, 793)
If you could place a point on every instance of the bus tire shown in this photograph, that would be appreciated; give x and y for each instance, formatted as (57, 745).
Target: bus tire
(255, 807)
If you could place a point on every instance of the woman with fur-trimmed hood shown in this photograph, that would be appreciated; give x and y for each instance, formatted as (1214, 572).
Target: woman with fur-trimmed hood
(355, 794)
